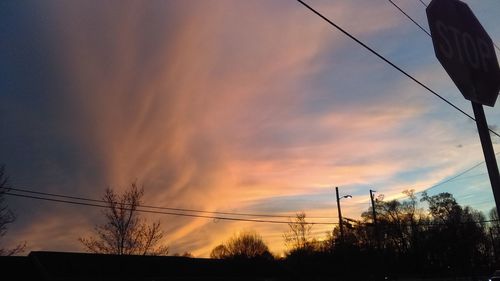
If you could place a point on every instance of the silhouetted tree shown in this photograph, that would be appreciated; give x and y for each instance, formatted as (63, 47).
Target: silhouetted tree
(6, 215)
(125, 232)
(397, 221)
(442, 206)
(185, 255)
(456, 236)
(355, 234)
(443, 239)
(247, 245)
(494, 232)
(298, 236)
(219, 252)
(495, 222)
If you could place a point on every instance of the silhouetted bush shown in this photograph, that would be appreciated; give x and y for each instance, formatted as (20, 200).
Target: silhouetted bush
(246, 245)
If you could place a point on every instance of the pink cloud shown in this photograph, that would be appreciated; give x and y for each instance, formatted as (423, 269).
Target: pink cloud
(205, 106)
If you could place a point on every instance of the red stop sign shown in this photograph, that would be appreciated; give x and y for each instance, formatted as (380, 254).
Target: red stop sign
(465, 50)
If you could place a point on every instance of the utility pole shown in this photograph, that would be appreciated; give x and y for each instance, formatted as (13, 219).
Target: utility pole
(341, 223)
(374, 213)
(377, 235)
(340, 215)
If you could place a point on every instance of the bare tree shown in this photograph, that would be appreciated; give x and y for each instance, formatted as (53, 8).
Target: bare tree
(298, 235)
(6, 215)
(186, 254)
(245, 245)
(495, 221)
(219, 252)
(125, 232)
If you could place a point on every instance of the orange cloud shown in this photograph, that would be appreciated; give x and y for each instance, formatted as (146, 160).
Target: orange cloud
(206, 104)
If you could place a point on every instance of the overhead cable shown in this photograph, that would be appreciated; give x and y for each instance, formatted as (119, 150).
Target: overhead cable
(390, 63)
(165, 208)
(417, 24)
(410, 18)
(159, 212)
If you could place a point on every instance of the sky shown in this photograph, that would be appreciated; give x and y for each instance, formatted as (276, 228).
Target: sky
(230, 106)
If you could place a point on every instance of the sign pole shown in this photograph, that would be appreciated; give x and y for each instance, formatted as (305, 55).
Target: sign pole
(489, 153)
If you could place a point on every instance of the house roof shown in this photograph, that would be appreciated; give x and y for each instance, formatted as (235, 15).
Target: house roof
(83, 266)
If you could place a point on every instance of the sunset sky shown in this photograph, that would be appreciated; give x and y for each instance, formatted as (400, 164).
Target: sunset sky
(226, 105)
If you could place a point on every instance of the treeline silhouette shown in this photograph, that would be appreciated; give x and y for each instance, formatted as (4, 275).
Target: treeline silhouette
(430, 236)
(425, 236)
(442, 239)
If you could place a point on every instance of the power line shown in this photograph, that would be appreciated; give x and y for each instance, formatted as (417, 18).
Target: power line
(471, 176)
(423, 3)
(410, 18)
(417, 24)
(481, 202)
(450, 179)
(159, 212)
(424, 30)
(462, 223)
(384, 224)
(163, 208)
(389, 62)
(456, 176)
(214, 217)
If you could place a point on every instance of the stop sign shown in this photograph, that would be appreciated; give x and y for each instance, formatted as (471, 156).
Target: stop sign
(465, 50)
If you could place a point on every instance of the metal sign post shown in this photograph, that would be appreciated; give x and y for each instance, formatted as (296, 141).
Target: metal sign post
(489, 153)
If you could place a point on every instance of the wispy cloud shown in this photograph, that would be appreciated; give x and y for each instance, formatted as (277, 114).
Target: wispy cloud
(216, 105)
